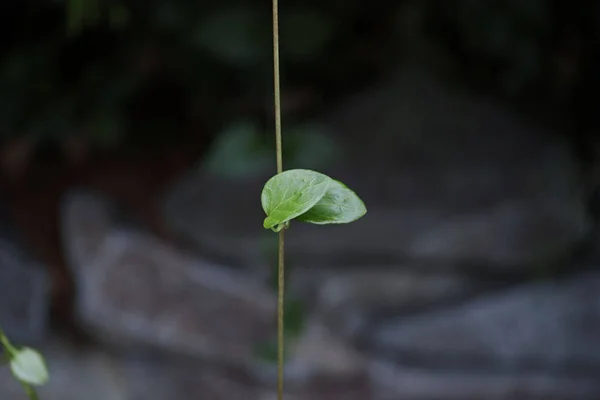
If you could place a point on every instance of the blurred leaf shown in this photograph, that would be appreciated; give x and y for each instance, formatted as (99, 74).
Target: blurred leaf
(309, 146)
(294, 323)
(294, 317)
(75, 16)
(29, 367)
(237, 36)
(267, 351)
(238, 151)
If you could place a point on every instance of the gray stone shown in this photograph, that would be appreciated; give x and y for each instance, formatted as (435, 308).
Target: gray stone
(352, 388)
(544, 325)
(75, 373)
(86, 220)
(24, 289)
(392, 382)
(78, 372)
(134, 289)
(448, 178)
(84, 372)
(349, 300)
(179, 379)
(317, 354)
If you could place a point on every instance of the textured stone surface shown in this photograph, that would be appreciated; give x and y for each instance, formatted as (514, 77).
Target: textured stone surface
(448, 179)
(317, 354)
(24, 288)
(165, 380)
(79, 372)
(135, 289)
(353, 388)
(349, 299)
(395, 382)
(545, 325)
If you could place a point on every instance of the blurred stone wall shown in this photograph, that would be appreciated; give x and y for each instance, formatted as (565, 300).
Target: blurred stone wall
(473, 275)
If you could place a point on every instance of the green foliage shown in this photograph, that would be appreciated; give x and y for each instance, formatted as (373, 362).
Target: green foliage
(241, 36)
(309, 196)
(81, 14)
(241, 150)
(27, 365)
(340, 205)
(238, 151)
(290, 194)
(86, 83)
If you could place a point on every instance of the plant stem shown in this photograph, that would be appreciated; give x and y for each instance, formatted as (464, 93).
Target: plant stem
(31, 392)
(278, 147)
(7, 345)
(280, 310)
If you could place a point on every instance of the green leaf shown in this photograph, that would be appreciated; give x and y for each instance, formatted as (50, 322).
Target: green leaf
(29, 367)
(238, 152)
(340, 205)
(290, 194)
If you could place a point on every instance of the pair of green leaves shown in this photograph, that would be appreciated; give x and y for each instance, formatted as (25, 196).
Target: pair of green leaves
(26, 364)
(308, 196)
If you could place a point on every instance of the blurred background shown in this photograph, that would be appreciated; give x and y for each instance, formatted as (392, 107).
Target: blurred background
(135, 140)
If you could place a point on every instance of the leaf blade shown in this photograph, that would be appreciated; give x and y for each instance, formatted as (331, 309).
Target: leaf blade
(340, 205)
(292, 193)
(28, 366)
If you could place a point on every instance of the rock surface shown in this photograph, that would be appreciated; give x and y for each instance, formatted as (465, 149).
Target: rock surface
(349, 300)
(135, 289)
(406, 303)
(552, 326)
(75, 373)
(394, 382)
(448, 179)
(24, 288)
(82, 372)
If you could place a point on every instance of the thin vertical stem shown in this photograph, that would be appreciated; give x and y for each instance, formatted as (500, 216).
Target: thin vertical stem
(7, 345)
(31, 392)
(280, 308)
(278, 147)
(277, 86)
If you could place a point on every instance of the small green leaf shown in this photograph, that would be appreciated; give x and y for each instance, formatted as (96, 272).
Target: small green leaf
(238, 152)
(28, 366)
(340, 205)
(290, 194)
